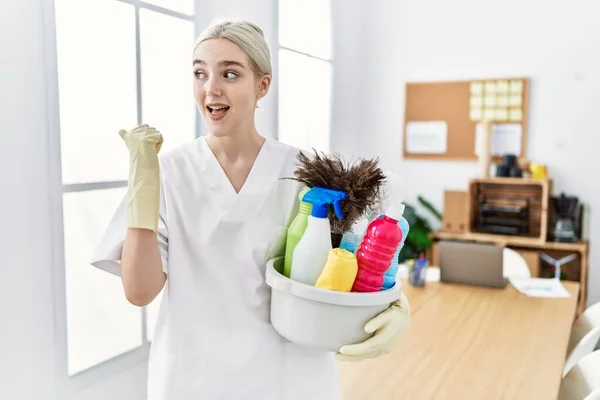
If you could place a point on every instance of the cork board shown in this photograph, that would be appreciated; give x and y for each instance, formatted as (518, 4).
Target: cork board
(459, 106)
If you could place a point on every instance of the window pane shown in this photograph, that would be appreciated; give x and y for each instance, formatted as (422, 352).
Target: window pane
(101, 323)
(182, 6)
(167, 85)
(304, 101)
(97, 87)
(306, 26)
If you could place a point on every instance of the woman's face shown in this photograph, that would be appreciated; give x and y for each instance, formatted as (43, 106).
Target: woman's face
(225, 87)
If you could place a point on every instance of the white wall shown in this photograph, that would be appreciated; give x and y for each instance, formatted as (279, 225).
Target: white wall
(27, 329)
(556, 45)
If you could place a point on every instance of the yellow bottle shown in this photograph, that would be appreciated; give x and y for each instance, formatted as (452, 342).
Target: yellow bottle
(339, 272)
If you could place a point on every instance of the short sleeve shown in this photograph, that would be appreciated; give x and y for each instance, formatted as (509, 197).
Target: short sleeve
(108, 252)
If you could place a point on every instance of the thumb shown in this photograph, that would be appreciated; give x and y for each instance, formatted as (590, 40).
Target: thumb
(159, 144)
(122, 133)
(377, 322)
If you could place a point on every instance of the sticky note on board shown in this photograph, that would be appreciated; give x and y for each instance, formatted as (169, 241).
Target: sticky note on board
(476, 101)
(516, 87)
(501, 114)
(475, 114)
(490, 87)
(515, 115)
(502, 87)
(489, 113)
(490, 100)
(476, 88)
(515, 100)
(502, 101)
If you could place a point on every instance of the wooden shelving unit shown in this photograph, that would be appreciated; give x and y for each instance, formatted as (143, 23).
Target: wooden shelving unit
(538, 193)
(531, 196)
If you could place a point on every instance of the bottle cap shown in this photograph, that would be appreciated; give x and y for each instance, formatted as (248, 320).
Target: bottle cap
(395, 211)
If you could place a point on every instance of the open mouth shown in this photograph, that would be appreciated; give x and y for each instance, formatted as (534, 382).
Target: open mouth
(217, 110)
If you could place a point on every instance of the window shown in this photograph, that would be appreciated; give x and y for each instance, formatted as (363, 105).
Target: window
(305, 73)
(120, 63)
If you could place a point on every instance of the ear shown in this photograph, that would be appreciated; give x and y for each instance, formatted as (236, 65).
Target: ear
(264, 84)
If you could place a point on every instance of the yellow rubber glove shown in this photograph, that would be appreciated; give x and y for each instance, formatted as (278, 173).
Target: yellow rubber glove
(389, 327)
(143, 143)
(339, 271)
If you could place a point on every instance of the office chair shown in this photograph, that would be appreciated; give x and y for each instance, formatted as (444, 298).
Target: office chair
(583, 380)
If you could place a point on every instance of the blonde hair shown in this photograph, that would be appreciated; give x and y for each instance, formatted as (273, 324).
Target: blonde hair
(248, 37)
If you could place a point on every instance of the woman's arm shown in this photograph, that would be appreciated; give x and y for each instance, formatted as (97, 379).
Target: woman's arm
(141, 267)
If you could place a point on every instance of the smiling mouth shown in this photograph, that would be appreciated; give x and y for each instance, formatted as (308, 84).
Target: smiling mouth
(217, 110)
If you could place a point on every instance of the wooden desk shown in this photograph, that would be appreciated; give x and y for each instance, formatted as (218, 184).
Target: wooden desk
(581, 248)
(469, 342)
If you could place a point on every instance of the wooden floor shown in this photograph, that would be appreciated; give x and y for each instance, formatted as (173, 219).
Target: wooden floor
(468, 342)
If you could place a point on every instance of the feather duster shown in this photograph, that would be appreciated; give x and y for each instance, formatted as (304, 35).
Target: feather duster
(361, 181)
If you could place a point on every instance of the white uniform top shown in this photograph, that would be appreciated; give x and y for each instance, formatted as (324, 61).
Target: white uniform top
(213, 338)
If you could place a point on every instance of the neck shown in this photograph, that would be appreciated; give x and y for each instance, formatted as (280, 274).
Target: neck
(233, 147)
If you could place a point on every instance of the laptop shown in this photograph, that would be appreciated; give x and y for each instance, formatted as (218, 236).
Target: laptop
(478, 264)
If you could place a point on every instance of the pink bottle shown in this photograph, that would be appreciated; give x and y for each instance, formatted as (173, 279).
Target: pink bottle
(377, 250)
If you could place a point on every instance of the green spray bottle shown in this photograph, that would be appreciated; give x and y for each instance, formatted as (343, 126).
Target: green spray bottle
(295, 232)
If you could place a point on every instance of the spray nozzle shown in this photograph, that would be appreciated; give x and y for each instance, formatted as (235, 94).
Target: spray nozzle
(319, 197)
(393, 196)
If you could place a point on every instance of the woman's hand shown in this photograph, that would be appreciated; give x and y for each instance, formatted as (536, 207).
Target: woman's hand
(143, 143)
(389, 327)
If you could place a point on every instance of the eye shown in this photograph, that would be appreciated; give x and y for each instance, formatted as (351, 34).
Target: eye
(231, 75)
(199, 74)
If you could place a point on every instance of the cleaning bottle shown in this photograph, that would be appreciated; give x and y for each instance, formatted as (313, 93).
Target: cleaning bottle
(295, 232)
(311, 252)
(389, 278)
(377, 250)
(351, 239)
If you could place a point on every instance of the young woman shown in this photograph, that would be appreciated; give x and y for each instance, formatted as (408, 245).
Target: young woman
(204, 218)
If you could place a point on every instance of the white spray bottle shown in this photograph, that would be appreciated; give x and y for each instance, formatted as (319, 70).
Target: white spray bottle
(312, 251)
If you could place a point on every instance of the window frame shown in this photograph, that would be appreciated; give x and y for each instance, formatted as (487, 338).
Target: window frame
(66, 384)
(330, 60)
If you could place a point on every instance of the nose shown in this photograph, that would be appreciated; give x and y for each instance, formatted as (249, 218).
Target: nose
(213, 87)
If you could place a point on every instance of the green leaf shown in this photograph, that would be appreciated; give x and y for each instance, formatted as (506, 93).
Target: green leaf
(407, 253)
(418, 238)
(430, 207)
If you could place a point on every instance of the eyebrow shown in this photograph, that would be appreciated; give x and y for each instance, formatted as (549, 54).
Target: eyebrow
(226, 63)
